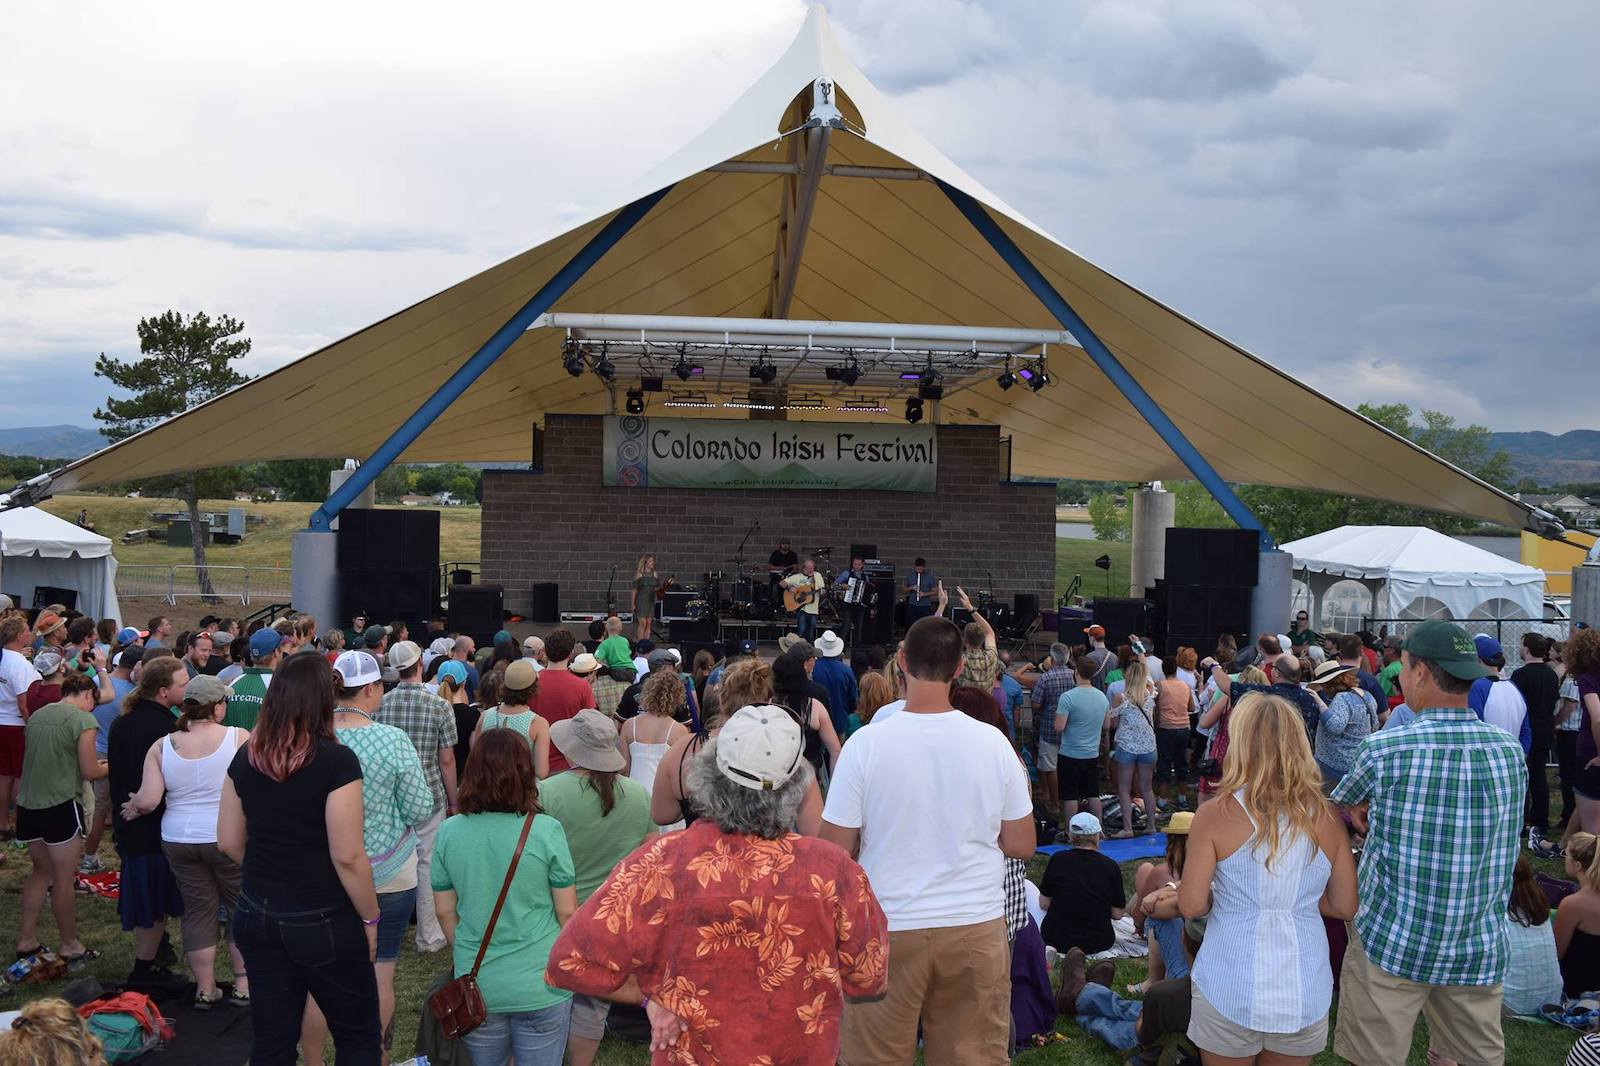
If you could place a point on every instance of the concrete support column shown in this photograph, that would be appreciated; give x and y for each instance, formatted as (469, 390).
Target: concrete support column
(1274, 591)
(1154, 512)
(1586, 594)
(314, 580)
(368, 497)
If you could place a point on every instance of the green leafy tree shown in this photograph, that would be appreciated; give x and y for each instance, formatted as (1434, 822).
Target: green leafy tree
(1193, 507)
(184, 361)
(299, 480)
(393, 483)
(1110, 522)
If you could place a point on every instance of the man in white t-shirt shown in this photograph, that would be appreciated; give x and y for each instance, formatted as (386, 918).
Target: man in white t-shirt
(932, 802)
(16, 675)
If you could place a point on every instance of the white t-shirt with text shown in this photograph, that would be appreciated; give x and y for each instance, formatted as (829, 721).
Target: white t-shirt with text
(16, 674)
(928, 793)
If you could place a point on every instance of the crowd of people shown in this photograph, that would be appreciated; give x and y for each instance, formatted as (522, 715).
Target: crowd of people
(602, 833)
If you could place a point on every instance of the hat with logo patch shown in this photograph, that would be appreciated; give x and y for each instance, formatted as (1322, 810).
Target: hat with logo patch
(1448, 645)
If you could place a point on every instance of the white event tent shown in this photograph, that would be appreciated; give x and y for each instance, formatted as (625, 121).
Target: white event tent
(37, 548)
(1413, 572)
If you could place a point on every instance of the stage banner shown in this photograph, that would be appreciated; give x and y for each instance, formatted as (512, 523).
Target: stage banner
(712, 453)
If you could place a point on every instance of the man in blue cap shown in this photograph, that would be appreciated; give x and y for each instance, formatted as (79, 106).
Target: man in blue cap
(1496, 700)
(1441, 804)
(244, 706)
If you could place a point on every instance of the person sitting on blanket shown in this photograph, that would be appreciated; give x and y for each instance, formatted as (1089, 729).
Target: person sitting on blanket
(1089, 886)
(1154, 1031)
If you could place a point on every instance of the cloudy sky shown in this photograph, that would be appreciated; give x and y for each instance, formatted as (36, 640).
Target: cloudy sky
(1395, 201)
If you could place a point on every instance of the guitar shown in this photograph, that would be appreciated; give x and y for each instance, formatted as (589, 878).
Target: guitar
(661, 590)
(796, 598)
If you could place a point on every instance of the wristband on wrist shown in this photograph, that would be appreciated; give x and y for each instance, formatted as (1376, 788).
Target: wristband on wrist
(374, 920)
(644, 1001)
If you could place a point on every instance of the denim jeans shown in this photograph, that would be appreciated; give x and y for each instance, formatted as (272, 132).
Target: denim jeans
(289, 952)
(1168, 932)
(533, 1037)
(1102, 1013)
(805, 624)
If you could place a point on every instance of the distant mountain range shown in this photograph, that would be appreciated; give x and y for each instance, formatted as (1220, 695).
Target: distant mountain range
(1547, 458)
(50, 442)
(1553, 460)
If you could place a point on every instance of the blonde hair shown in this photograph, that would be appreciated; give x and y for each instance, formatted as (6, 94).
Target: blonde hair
(1269, 760)
(746, 683)
(48, 1032)
(1252, 675)
(662, 693)
(1136, 680)
(613, 626)
(333, 640)
(640, 570)
(448, 688)
(891, 673)
(1582, 849)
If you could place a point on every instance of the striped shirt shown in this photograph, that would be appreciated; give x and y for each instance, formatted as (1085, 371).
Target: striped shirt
(1445, 811)
(1047, 691)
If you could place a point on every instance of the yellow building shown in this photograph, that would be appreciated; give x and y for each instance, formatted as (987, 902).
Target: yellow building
(1556, 558)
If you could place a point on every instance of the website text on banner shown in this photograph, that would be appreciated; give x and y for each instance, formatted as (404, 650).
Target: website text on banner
(710, 453)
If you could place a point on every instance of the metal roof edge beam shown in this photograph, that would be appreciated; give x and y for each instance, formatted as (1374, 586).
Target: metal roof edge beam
(819, 125)
(714, 328)
(469, 371)
(1108, 363)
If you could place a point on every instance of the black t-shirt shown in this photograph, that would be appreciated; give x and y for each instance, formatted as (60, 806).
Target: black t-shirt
(286, 859)
(628, 705)
(127, 744)
(1540, 688)
(1082, 886)
(783, 558)
(467, 715)
(1164, 1021)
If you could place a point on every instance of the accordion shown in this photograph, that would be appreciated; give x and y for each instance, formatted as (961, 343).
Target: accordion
(859, 590)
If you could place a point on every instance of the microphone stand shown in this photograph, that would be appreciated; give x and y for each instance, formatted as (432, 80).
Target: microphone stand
(611, 599)
(738, 553)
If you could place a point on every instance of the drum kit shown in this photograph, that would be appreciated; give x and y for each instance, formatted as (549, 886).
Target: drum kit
(750, 592)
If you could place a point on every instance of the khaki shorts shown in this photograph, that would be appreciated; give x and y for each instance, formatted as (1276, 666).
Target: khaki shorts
(1377, 1012)
(1212, 1032)
(956, 982)
(1048, 754)
(588, 1018)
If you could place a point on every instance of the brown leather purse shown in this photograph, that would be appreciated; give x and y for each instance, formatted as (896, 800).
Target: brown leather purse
(458, 1006)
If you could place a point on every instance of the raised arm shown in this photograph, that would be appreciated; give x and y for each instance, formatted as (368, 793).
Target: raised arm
(977, 619)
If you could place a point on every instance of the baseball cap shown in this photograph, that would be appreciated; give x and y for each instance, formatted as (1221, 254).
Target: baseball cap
(1098, 632)
(1448, 645)
(204, 690)
(404, 655)
(501, 636)
(357, 668)
(584, 664)
(659, 657)
(130, 656)
(456, 672)
(372, 636)
(1179, 825)
(747, 647)
(1083, 824)
(533, 644)
(127, 635)
(677, 656)
(6, 603)
(264, 642)
(1487, 646)
(520, 675)
(47, 622)
(48, 662)
(759, 747)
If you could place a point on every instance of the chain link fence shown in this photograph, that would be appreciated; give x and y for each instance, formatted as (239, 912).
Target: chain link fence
(237, 584)
(1508, 631)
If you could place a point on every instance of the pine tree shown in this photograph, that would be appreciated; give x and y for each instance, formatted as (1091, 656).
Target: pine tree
(184, 361)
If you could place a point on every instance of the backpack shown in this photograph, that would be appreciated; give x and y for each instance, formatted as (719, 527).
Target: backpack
(127, 1024)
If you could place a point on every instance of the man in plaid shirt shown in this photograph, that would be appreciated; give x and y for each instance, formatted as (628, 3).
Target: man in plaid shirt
(1047, 690)
(1441, 803)
(431, 725)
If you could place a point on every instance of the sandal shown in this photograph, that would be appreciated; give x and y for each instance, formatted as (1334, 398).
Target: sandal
(236, 998)
(205, 1002)
(78, 961)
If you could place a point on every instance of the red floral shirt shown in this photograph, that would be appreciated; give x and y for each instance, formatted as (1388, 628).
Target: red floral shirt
(752, 943)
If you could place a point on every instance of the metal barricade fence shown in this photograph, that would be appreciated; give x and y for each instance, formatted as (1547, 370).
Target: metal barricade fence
(1508, 631)
(240, 584)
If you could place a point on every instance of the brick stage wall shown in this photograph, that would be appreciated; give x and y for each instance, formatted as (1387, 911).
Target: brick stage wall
(564, 526)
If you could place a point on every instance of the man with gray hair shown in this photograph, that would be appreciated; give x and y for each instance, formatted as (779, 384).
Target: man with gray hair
(533, 651)
(1047, 690)
(792, 915)
(1286, 683)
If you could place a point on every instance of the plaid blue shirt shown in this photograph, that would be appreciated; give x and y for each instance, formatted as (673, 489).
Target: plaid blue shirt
(430, 723)
(1446, 811)
(1047, 692)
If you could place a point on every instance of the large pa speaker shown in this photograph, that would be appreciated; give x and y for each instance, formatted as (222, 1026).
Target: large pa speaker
(880, 621)
(388, 594)
(702, 633)
(1212, 557)
(404, 538)
(1208, 609)
(1121, 618)
(1024, 609)
(545, 604)
(477, 611)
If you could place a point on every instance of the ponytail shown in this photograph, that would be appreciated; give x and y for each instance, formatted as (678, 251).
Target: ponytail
(604, 783)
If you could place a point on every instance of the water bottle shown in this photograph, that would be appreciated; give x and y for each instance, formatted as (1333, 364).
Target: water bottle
(18, 971)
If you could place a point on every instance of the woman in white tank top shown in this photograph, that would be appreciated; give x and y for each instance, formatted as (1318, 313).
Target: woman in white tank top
(183, 776)
(1266, 861)
(646, 737)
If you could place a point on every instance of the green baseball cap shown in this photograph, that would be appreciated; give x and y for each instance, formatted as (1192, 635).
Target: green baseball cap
(1448, 645)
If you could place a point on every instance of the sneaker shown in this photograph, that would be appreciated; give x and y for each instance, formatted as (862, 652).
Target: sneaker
(89, 864)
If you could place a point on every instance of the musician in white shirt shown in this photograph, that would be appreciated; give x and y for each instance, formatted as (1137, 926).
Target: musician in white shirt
(805, 615)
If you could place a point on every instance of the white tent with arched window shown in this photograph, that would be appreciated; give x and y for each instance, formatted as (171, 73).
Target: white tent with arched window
(1413, 572)
(39, 550)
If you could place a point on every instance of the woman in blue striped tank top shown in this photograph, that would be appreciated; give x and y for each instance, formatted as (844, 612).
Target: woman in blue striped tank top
(1267, 860)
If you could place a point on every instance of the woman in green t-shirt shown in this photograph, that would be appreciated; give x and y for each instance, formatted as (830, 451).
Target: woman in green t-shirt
(526, 1017)
(59, 757)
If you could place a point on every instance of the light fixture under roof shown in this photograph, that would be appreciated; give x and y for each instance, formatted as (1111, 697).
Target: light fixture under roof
(689, 399)
(863, 407)
(750, 404)
(805, 403)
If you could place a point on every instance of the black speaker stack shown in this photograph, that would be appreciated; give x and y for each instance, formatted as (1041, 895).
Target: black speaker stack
(545, 603)
(388, 561)
(477, 611)
(1207, 588)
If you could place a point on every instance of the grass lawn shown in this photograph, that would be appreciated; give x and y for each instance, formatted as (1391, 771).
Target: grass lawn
(1078, 556)
(1526, 1042)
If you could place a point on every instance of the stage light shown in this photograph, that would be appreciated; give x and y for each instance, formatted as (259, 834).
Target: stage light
(1038, 379)
(603, 368)
(914, 410)
(927, 391)
(571, 358)
(683, 368)
(635, 404)
(764, 372)
(849, 374)
(1007, 378)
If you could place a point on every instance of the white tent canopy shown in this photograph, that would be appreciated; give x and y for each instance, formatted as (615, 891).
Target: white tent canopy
(770, 217)
(1413, 572)
(37, 548)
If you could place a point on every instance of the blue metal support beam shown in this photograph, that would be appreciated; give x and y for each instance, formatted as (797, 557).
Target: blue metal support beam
(1109, 364)
(469, 371)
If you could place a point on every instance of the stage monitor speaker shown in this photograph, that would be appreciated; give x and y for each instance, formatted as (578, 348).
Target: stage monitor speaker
(477, 611)
(700, 633)
(389, 594)
(545, 605)
(1121, 618)
(880, 620)
(862, 551)
(675, 605)
(1024, 609)
(461, 577)
(45, 595)
(1212, 557)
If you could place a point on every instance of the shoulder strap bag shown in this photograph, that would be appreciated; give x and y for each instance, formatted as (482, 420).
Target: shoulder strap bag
(458, 1005)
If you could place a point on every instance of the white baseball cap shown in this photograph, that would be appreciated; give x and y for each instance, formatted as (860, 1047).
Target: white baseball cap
(1084, 824)
(760, 747)
(357, 669)
(404, 654)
